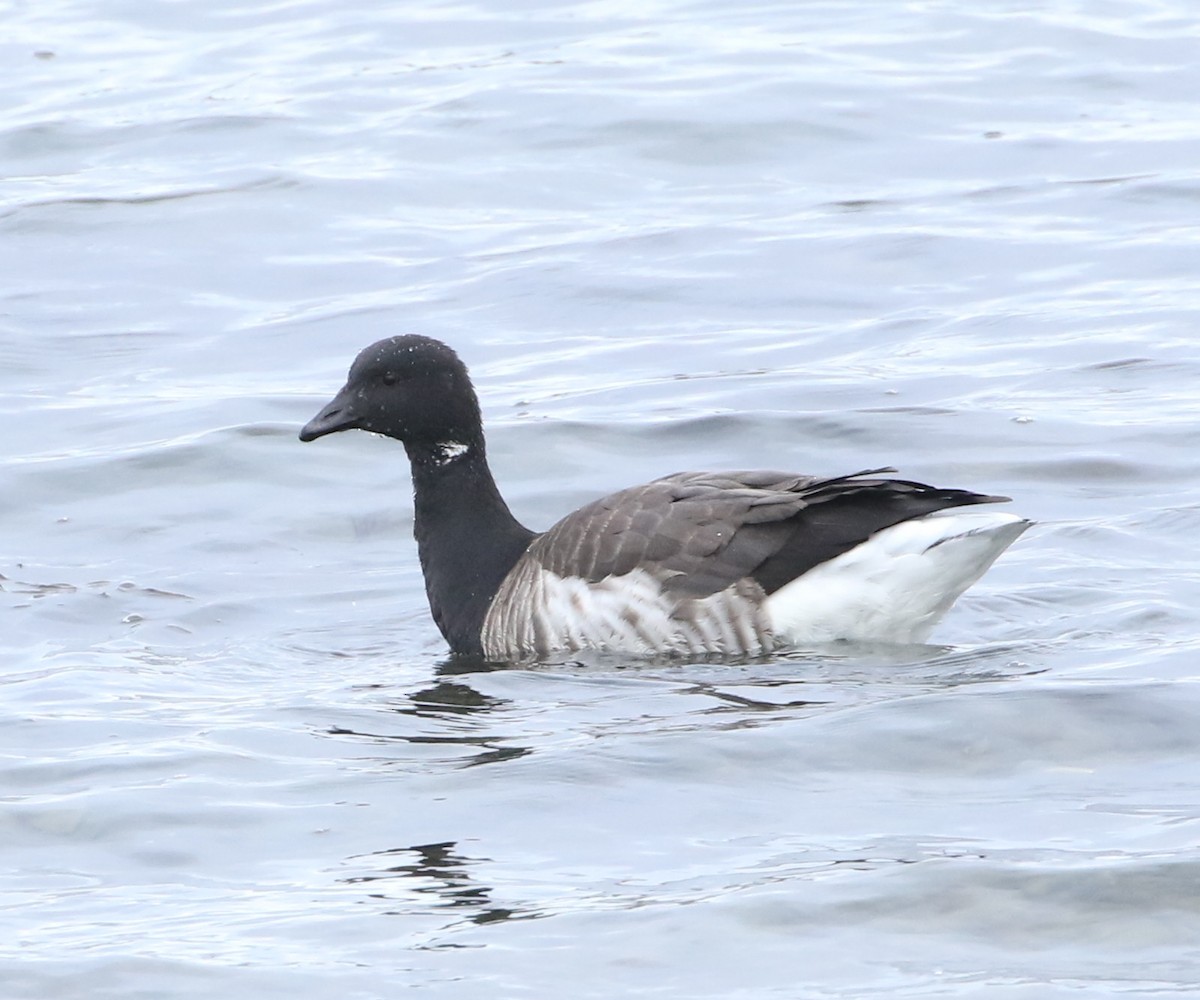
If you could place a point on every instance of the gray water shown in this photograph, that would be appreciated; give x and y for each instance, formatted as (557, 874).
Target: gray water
(956, 238)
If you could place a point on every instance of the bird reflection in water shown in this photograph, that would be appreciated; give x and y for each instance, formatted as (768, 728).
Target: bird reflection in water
(440, 701)
(435, 870)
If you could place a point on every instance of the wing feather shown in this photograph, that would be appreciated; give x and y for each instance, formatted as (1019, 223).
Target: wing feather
(702, 532)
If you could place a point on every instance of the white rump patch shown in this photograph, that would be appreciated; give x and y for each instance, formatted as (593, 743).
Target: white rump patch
(896, 585)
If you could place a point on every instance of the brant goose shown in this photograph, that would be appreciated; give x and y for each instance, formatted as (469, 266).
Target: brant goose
(734, 563)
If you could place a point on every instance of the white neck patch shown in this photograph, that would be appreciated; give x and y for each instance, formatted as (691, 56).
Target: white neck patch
(448, 451)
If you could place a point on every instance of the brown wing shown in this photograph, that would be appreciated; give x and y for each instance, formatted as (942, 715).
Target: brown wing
(701, 532)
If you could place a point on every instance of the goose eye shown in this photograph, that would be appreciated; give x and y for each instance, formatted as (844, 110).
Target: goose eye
(389, 378)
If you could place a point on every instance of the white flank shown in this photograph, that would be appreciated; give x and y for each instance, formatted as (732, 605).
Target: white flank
(537, 612)
(895, 586)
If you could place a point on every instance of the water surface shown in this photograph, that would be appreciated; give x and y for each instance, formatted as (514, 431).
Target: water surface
(813, 236)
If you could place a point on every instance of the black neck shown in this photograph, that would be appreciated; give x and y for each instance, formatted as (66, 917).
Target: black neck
(467, 538)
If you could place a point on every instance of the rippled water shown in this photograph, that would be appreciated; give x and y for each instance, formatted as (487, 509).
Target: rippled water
(956, 238)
